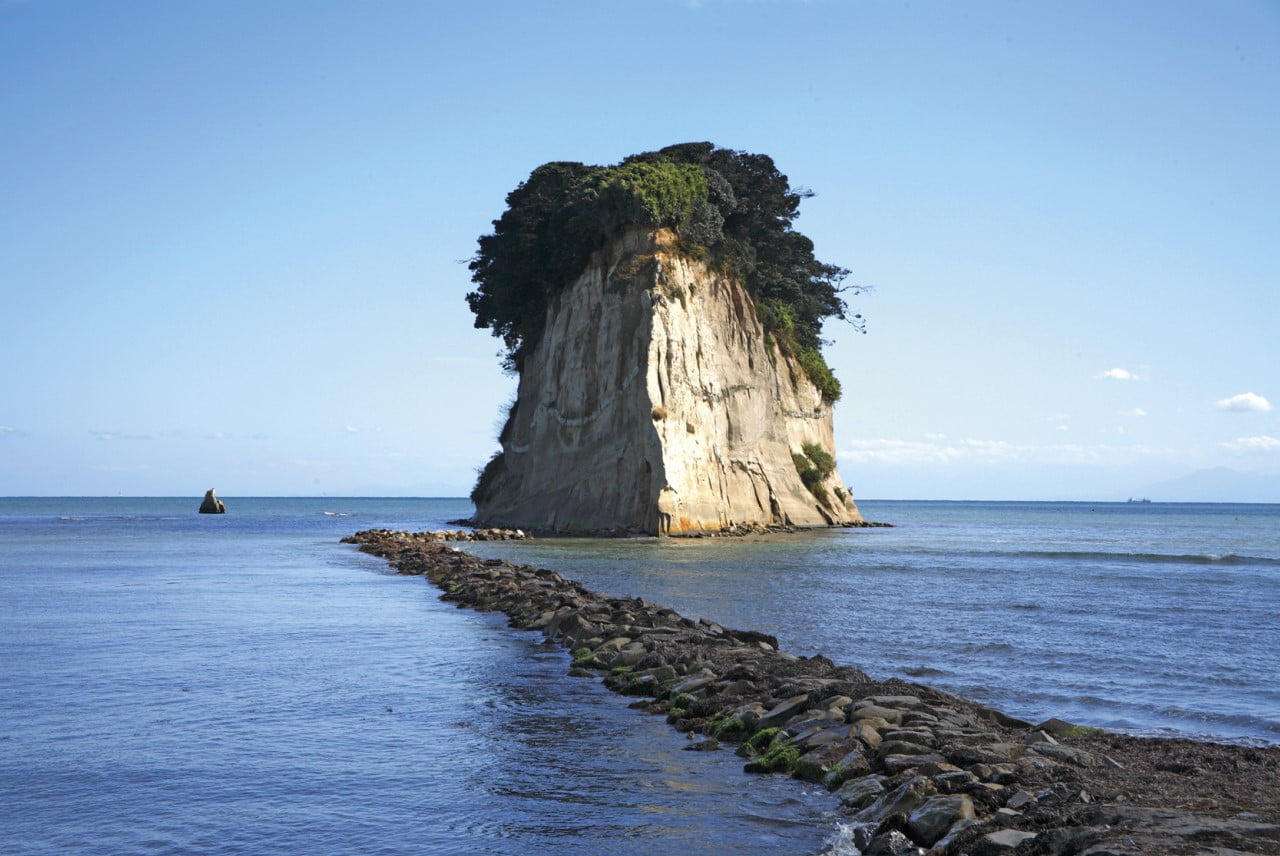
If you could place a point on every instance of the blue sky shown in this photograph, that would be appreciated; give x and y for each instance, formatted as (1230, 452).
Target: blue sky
(233, 235)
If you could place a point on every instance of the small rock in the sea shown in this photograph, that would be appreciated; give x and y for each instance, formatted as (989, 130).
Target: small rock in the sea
(211, 504)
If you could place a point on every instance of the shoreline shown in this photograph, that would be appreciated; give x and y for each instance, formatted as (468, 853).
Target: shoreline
(914, 769)
(737, 530)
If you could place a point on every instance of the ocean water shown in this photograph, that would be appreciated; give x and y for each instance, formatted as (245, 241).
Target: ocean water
(181, 683)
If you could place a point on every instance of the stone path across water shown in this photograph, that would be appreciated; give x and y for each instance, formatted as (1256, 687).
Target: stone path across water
(916, 770)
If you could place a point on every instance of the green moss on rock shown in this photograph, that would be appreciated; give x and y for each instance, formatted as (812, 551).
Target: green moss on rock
(780, 758)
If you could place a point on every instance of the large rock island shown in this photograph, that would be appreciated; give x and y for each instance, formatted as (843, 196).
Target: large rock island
(673, 383)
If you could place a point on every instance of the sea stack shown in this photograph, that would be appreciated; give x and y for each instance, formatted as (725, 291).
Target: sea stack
(657, 394)
(211, 504)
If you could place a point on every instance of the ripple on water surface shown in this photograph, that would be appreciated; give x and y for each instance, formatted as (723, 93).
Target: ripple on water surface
(1107, 615)
(219, 698)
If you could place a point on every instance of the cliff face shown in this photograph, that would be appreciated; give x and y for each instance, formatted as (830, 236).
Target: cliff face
(653, 404)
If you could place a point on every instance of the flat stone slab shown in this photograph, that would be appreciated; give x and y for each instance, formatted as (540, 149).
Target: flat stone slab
(784, 711)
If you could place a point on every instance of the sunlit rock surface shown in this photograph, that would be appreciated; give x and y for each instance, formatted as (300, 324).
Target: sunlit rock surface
(655, 403)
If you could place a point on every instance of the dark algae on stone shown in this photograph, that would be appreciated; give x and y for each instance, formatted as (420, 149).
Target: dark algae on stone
(914, 770)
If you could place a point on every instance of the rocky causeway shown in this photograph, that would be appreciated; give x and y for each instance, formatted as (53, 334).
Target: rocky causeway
(915, 770)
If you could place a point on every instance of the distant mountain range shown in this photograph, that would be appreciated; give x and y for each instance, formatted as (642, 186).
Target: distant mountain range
(1220, 484)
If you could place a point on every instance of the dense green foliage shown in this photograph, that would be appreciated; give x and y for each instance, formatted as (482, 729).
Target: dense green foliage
(485, 479)
(823, 461)
(733, 208)
(815, 465)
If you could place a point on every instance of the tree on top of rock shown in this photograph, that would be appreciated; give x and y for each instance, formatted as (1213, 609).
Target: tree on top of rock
(733, 208)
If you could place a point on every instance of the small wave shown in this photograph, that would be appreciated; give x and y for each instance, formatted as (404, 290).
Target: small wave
(923, 672)
(336, 513)
(109, 518)
(773, 819)
(1244, 720)
(1000, 647)
(1153, 720)
(1155, 558)
(1025, 606)
(845, 839)
(1200, 737)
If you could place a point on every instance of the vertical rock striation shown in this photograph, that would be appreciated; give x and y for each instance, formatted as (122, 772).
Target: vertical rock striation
(655, 403)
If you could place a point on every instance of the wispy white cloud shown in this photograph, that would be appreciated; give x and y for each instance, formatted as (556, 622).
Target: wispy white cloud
(108, 436)
(10, 431)
(1262, 444)
(886, 451)
(1116, 374)
(227, 435)
(978, 451)
(1245, 402)
(351, 429)
(1136, 411)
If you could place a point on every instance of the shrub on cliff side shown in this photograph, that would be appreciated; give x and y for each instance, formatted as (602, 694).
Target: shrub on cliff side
(734, 208)
(823, 461)
(814, 466)
(486, 478)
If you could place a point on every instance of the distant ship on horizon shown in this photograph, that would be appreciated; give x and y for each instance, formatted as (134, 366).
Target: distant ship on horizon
(1139, 499)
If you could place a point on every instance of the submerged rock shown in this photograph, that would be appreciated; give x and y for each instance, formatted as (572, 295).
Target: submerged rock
(211, 504)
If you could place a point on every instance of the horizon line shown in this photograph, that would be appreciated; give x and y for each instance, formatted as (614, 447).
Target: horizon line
(196, 498)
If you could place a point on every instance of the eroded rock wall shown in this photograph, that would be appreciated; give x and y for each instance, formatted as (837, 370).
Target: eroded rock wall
(654, 403)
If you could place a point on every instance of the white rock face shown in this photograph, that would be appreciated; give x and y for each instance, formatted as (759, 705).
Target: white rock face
(652, 404)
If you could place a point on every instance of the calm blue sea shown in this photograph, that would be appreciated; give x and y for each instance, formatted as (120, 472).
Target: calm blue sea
(181, 683)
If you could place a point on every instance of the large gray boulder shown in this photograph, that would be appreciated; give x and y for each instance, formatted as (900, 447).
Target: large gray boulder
(211, 504)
